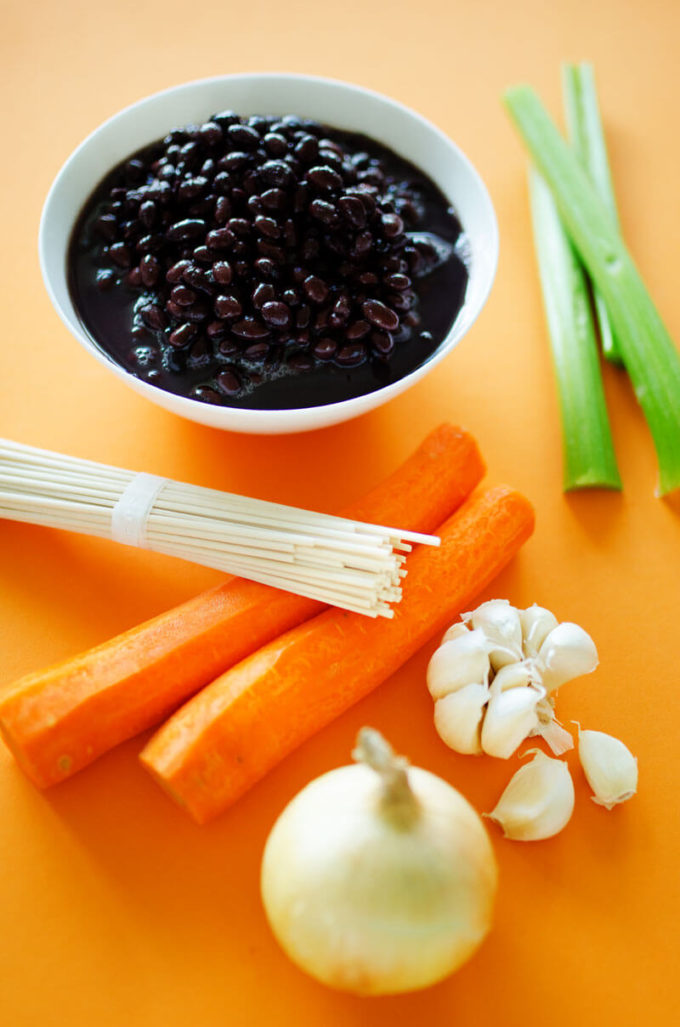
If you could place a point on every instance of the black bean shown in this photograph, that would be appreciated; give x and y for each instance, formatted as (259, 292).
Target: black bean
(189, 228)
(153, 317)
(150, 270)
(277, 173)
(252, 183)
(239, 226)
(323, 211)
(315, 289)
(175, 273)
(401, 301)
(211, 133)
(150, 244)
(242, 137)
(183, 296)
(161, 191)
(274, 199)
(222, 272)
(290, 297)
(323, 177)
(341, 311)
(275, 144)
(302, 316)
(258, 351)
(222, 183)
(220, 238)
(271, 251)
(382, 342)
(235, 160)
(206, 395)
(107, 226)
(203, 255)
(250, 328)
(191, 187)
(105, 279)
(325, 349)
(368, 278)
(307, 149)
(120, 254)
(380, 315)
(228, 306)
(216, 330)
(267, 226)
(392, 225)
(229, 382)
(225, 118)
(266, 268)
(363, 243)
(133, 278)
(398, 282)
(198, 278)
(351, 355)
(263, 293)
(276, 314)
(352, 208)
(357, 330)
(182, 335)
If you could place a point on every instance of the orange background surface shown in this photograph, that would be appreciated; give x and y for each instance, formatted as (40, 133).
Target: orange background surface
(115, 908)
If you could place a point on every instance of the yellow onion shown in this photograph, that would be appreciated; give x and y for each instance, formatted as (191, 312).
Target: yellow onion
(378, 878)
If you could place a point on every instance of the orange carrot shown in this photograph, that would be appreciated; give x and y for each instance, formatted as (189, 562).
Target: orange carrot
(228, 736)
(59, 720)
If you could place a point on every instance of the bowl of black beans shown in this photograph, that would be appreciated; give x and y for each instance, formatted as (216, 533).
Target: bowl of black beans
(268, 253)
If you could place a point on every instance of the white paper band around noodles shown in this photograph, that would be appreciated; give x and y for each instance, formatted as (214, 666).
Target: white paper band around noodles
(131, 512)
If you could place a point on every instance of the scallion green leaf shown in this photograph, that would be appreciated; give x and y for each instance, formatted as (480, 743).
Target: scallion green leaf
(649, 354)
(589, 459)
(584, 126)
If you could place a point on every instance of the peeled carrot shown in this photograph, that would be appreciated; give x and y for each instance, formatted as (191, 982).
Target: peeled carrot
(233, 732)
(59, 720)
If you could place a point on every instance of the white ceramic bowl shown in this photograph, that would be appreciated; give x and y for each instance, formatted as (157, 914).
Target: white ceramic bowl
(334, 103)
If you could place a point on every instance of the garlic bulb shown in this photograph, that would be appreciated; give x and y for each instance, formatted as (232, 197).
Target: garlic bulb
(609, 766)
(527, 652)
(378, 878)
(538, 801)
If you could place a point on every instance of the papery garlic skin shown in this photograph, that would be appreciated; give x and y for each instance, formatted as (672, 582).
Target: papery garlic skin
(460, 661)
(510, 717)
(458, 718)
(566, 653)
(610, 768)
(538, 801)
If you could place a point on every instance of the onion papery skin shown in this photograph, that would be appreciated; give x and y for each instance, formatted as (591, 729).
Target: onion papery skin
(374, 903)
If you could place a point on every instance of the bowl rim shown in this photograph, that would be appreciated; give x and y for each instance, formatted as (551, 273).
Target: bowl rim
(253, 418)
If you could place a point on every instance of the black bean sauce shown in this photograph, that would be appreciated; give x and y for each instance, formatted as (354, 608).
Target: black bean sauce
(267, 263)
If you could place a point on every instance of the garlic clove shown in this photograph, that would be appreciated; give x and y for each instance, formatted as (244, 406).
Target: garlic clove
(566, 653)
(513, 675)
(537, 623)
(458, 717)
(455, 631)
(609, 766)
(460, 661)
(500, 623)
(510, 717)
(538, 801)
